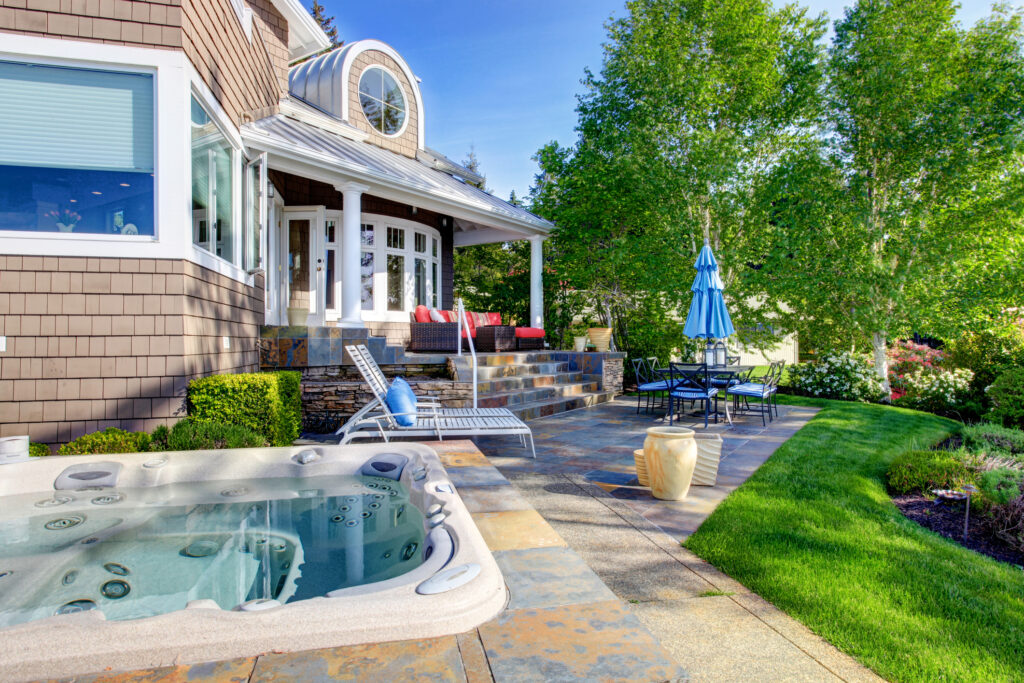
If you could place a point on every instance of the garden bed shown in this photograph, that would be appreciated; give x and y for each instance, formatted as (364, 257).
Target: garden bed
(947, 519)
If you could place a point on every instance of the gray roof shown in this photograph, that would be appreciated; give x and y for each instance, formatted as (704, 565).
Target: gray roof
(303, 139)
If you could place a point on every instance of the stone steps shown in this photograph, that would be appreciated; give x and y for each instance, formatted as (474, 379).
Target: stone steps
(538, 395)
(533, 410)
(505, 384)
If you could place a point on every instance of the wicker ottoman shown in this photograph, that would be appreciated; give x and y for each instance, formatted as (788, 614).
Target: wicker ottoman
(529, 343)
(495, 338)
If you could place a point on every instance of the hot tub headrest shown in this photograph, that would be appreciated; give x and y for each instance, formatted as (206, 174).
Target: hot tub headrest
(386, 465)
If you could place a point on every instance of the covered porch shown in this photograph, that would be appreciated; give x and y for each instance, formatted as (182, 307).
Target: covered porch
(358, 236)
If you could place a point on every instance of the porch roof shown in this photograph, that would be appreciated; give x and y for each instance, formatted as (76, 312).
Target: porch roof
(299, 147)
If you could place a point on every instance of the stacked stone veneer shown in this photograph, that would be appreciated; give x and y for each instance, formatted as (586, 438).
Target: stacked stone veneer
(608, 365)
(330, 395)
(92, 342)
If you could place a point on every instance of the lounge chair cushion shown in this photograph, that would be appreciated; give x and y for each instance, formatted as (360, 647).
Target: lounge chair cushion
(494, 318)
(401, 399)
(529, 333)
(437, 316)
(422, 314)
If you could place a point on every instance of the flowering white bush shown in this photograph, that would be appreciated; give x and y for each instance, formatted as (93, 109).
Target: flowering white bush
(937, 391)
(841, 375)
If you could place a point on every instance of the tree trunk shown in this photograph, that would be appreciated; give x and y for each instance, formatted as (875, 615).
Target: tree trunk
(878, 345)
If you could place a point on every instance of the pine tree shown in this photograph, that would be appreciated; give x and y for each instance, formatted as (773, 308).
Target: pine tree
(319, 13)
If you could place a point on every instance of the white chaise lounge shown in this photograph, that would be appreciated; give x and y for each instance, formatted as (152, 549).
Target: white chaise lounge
(374, 420)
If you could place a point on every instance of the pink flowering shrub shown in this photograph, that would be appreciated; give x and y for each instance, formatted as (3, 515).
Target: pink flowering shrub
(907, 359)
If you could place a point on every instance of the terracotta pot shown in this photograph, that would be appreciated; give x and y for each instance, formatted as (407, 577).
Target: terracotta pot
(579, 344)
(601, 336)
(671, 454)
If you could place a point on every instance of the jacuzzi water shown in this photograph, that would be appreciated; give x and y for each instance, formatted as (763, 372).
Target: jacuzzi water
(140, 552)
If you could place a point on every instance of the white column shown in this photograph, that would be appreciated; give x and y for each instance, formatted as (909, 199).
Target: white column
(537, 281)
(351, 303)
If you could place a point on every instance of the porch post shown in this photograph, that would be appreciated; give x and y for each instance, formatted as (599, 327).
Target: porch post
(351, 282)
(537, 281)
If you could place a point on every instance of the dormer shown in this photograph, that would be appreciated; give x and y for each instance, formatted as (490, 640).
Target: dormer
(368, 85)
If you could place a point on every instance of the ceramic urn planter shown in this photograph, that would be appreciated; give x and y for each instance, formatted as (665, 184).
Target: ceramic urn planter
(671, 454)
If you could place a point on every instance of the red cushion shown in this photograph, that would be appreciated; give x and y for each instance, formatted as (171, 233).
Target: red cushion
(494, 318)
(481, 319)
(422, 314)
(529, 332)
(449, 316)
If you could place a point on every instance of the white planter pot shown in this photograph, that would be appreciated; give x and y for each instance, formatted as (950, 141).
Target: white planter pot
(13, 449)
(579, 344)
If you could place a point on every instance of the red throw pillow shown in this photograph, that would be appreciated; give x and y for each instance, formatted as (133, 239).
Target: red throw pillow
(494, 318)
(449, 316)
(422, 314)
(529, 332)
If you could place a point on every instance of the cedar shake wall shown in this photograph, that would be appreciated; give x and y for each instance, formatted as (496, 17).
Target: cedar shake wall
(144, 23)
(94, 343)
(247, 78)
(407, 142)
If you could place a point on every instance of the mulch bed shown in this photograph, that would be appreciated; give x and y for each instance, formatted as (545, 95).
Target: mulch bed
(947, 519)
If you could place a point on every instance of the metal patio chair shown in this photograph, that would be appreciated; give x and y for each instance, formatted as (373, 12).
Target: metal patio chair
(648, 383)
(765, 390)
(692, 382)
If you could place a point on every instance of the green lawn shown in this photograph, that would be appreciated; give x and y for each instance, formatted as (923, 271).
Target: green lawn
(814, 532)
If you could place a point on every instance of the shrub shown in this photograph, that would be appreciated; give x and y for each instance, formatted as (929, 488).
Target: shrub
(927, 470)
(1007, 397)
(1007, 522)
(267, 403)
(988, 353)
(191, 434)
(937, 391)
(159, 439)
(37, 450)
(985, 437)
(907, 358)
(110, 440)
(1001, 485)
(840, 375)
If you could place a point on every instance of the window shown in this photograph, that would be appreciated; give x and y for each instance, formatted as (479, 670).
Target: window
(213, 182)
(382, 100)
(396, 282)
(76, 150)
(405, 271)
(396, 238)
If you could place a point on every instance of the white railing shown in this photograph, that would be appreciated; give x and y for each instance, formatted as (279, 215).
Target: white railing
(460, 315)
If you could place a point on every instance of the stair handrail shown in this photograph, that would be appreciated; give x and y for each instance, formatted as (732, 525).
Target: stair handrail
(461, 316)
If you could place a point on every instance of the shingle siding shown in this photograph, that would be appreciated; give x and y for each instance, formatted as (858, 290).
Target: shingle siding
(94, 343)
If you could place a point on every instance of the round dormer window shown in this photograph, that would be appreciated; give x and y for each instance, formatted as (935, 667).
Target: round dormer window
(382, 100)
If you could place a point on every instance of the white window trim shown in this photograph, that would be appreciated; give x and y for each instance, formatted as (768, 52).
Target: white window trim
(380, 223)
(169, 75)
(220, 118)
(405, 101)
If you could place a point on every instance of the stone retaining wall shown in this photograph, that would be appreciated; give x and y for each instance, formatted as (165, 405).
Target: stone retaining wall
(333, 393)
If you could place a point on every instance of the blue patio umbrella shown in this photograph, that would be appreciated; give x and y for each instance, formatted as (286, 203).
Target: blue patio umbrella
(708, 317)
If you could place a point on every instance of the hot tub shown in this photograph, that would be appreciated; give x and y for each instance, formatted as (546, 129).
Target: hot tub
(151, 559)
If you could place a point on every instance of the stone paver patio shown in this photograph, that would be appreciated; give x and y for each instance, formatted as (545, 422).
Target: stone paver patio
(599, 586)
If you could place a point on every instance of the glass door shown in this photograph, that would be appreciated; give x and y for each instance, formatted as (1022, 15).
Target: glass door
(332, 261)
(304, 264)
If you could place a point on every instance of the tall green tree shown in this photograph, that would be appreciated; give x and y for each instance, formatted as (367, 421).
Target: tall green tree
(695, 100)
(319, 13)
(905, 214)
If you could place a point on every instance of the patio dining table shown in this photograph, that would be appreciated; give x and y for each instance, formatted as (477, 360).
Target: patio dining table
(725, 372)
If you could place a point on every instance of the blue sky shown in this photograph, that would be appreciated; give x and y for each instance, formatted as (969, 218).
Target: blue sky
(502, 76)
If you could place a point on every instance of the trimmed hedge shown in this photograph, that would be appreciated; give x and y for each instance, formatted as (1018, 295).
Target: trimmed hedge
(191, 434)
(110, 440)
(926, 470)
(267, 403)
(37, 450)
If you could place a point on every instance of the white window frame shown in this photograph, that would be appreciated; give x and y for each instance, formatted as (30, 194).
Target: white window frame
(405, 101)
(169, 71)
(204, 257)
(380, 250)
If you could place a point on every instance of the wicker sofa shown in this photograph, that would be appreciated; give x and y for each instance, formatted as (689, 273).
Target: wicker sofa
(427, 333)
